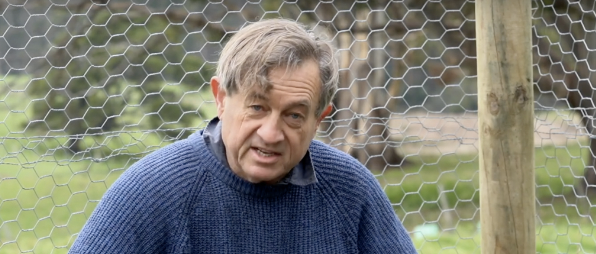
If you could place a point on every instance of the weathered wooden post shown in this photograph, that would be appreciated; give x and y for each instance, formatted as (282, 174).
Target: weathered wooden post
(506, 126)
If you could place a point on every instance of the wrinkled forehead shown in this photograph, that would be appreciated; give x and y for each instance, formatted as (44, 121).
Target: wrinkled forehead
(301, 78)
(261, 81)
(255, 93)
(260, 94)
(257, 88)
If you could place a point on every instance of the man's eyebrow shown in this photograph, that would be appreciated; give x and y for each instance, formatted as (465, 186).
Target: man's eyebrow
(301, 103)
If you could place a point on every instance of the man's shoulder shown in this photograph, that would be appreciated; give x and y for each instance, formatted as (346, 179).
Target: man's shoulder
(170, 164)
(169, 157)
(146, 201)
(348, 186)
(337, 166)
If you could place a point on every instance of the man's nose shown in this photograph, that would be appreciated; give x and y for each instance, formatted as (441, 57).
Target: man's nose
(270, 131)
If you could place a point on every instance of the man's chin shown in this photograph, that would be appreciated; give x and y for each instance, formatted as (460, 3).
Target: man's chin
(260, 175)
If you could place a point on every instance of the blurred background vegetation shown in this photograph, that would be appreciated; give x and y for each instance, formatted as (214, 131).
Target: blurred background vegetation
(89, 87)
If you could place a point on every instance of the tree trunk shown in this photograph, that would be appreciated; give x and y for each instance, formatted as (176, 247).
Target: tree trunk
(505, 125)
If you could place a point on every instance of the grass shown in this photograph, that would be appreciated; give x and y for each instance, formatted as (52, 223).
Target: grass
(46, 197)
(439, 202)
(437, 198)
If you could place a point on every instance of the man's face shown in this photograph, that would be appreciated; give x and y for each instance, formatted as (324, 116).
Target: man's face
(267, 133)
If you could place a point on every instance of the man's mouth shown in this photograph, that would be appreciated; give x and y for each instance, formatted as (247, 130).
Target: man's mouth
(265, 153)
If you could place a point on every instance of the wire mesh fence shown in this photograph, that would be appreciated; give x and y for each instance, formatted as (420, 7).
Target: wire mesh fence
(89, 87)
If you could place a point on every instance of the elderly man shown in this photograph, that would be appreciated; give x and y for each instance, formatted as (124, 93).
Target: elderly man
(254, 180)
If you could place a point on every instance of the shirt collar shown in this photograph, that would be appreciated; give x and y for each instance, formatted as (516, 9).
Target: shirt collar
(302, 174)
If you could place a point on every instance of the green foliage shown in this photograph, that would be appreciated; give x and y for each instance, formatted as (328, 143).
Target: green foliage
(120, 76)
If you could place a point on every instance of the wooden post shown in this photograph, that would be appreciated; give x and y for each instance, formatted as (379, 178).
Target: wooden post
(506, 126)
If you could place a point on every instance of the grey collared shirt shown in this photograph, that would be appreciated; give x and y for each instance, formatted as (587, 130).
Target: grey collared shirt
(302, 174)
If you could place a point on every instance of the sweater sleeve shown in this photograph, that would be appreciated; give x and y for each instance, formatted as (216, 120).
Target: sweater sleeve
(380, 231)
(140, 212)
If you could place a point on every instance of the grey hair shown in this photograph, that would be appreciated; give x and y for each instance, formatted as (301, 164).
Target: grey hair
(259, 47)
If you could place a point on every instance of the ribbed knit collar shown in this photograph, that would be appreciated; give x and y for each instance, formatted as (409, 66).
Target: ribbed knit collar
(223, 173)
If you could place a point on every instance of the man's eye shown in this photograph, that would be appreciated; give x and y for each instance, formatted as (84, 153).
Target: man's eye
(296, 116)
(256, 107)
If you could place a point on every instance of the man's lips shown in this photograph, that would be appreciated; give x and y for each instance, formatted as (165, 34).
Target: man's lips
(266, 151)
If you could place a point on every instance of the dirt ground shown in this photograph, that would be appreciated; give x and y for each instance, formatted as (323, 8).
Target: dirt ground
(458, 133)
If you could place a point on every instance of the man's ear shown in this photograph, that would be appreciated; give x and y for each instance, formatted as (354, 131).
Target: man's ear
(219, 95)
(325, 113)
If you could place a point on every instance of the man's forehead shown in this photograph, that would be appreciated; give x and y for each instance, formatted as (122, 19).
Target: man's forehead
(257, 93)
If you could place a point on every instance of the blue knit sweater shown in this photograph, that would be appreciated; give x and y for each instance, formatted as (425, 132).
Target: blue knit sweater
(181, 199)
